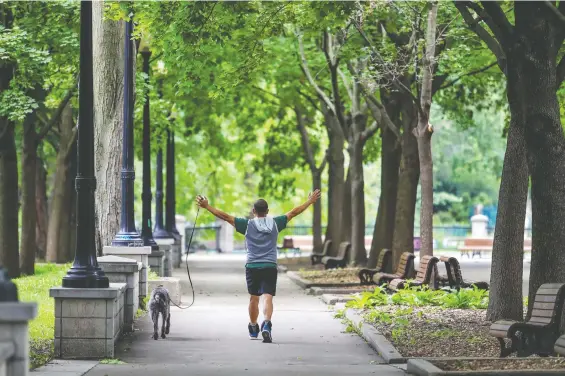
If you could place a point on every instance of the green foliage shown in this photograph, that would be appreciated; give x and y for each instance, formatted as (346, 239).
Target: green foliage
(422, 296)
(36, 289)
(152, 275)
(112, 361)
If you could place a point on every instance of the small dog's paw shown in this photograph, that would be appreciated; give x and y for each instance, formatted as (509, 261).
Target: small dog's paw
(155, 336)
(163, 335)
(167, 331)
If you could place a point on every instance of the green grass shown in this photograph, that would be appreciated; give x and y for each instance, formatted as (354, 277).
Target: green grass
(151, 275)
(41, 329)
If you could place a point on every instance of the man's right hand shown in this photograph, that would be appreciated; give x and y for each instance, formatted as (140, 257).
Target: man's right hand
(314, 196)
(202, 202)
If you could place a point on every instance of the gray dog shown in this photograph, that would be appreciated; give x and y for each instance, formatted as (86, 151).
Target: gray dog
(160, 303)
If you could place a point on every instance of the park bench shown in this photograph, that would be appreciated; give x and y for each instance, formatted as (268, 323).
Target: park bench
(384, 264)
(455, 278)
(404, 270)
(427, 270)
(539, 334)
(476, 246)
(340, 260)
(316, 258)
(288, 245)
(559, 347)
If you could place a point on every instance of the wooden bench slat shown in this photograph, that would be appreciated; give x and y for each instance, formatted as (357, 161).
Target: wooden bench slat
(541, 320)
(538, 305)
(543, 313)
(546, 299)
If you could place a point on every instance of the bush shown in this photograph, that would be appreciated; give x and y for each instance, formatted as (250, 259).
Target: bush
(423, 296)
(35, 288)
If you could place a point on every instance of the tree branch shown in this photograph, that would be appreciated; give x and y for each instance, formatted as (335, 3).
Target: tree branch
(472, 73)
(379, 113)
(497, 21)
(560, 16)
(369, 132)
(304, 64)
(47, 126)
(307, 148)
(481, 32)
(346, 84)
(324, 162)
(310, 99)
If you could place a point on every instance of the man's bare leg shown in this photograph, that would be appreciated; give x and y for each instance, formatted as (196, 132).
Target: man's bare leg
(268, 306)
(253, 309)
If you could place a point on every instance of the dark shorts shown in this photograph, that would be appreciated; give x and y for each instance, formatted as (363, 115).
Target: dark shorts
(261, 281)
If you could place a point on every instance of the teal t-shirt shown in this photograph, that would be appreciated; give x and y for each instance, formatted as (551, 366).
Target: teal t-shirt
(241, 227)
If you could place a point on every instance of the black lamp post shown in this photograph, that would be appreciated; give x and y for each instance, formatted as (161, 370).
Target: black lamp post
(85, 272)
(170, 220)
(160, 232)
(8, 290)
(146, 231)
(128, 236)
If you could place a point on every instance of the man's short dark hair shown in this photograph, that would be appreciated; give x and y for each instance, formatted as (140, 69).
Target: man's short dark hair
(261, 206)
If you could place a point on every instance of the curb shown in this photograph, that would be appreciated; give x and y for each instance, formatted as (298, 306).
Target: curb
(422, 367)
(330, 299)
(282, 268)
(376, 340)
(320, 290)
(294, 277)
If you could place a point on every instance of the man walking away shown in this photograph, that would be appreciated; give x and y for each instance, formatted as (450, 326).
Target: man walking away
(261, 235)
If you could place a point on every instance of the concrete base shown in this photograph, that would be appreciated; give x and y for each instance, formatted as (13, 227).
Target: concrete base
(124, 270)
(139, 254)
(166, 245)
(171, 284)
(88, 322)
(177, 252)
(14, 341)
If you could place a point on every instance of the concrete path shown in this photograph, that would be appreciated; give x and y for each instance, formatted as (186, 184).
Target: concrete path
(211, 337)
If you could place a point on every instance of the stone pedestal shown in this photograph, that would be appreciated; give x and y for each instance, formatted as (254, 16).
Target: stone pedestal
(124, 270)
(479, 224)
(181, 223)
(88, 322)
(157, 261)
(166, 245)
(171, 284)
(226, 237)
(176, 252)
(14, 341)
(139, 254)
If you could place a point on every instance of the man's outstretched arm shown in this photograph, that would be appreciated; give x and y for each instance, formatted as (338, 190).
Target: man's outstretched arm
(312, 198)
(203, 203)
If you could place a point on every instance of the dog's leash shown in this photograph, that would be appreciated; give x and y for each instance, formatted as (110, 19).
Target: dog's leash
(187, 269)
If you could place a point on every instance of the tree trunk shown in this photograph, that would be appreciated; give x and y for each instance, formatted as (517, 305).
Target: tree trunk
(403, 237)
(345, 234)
(9, 255)
(358, 251)
(336, 186)
(68, 235)
(29, 215)
(41, 209)
(545, 142)
(424, 134)
(57, 249)
(317, 216)
(384, 224)
(108, 50)
(505, 294)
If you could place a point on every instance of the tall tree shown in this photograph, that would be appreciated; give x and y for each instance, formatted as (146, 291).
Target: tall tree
(108, 50)
(528, 54)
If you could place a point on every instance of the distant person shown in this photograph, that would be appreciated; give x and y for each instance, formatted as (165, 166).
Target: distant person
(261, 235)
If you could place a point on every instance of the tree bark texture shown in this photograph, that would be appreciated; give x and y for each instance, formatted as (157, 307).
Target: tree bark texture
(403, 237)
(538, 42)
(505, 296)
(336, 183)
(316, 177)
(386, 214)
(424, 135)
(108, 50)
(29, 215)
(9, 255)
(59, 225)
(345, 235)
(41, 208)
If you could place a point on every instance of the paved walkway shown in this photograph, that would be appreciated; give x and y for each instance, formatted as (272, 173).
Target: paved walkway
(211, 337)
